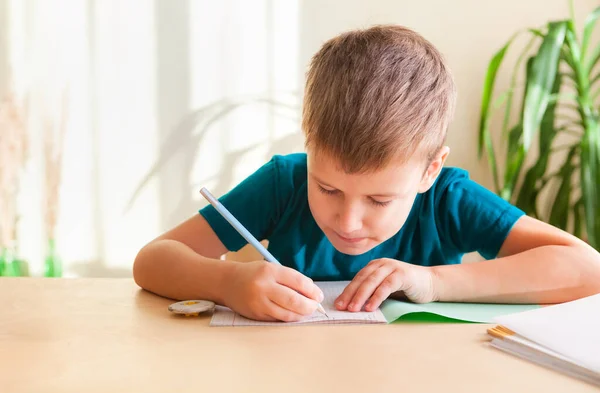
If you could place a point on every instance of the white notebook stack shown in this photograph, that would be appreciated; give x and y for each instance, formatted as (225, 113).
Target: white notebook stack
(564, 337)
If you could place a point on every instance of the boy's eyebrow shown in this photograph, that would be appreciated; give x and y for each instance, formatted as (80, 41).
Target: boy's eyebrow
(390, 195)
(321, 181)
(384, 195)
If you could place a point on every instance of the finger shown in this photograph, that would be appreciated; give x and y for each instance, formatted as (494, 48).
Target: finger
(368, 287)
(291, 300)
(263, 317)
(300, 283)
(385, 289)
(341, 303)
(282, 314)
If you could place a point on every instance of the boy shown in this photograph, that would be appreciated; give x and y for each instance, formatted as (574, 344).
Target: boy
(369, 202)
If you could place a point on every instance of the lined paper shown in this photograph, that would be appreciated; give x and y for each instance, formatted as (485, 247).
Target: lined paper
(223, 316)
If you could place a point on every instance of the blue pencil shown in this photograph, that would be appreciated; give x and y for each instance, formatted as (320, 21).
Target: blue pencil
(243, 231)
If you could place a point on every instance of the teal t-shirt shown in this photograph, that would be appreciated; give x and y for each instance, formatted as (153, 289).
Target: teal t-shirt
(455, 216)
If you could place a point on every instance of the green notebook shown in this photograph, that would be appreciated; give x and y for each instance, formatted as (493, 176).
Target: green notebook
(401, 311)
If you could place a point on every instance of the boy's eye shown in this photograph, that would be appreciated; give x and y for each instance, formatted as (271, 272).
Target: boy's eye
(326, 191)
(333, 192)
(379, 203)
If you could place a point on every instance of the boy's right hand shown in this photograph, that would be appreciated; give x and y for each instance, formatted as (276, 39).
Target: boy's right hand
(265, 291)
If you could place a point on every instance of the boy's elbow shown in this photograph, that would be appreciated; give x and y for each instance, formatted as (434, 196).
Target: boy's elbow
(142, 265)
(592, 270)
(596, 277)
(593, 284)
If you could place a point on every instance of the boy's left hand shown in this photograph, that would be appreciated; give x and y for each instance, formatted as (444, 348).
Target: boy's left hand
(382, 278)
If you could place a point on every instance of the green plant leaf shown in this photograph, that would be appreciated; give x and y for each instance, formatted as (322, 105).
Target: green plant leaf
(488, 90)
(537, 32)
(590, 181)
(563, 96)
(565, 55)
(491, 155)
(528, 192)
(595, 94)
(570, 75)
(485, 139)
(513, 83)
(577, 218)
(582, 82)
(548, 128)
(559, 216)
(530, 189)
(545, 67)
(595, 79)
(590, 23)
(515, 154)
(593, 59)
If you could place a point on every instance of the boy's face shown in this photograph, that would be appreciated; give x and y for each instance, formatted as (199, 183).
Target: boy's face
(360, 211)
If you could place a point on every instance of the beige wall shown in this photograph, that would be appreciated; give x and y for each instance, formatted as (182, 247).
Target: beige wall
(468, 33)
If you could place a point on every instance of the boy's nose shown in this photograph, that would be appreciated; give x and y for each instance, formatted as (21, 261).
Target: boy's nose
(349, 221)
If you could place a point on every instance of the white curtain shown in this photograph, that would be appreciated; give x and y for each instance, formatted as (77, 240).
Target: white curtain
(160, 98)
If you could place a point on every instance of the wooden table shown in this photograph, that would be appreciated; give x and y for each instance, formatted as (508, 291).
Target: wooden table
(107, 335)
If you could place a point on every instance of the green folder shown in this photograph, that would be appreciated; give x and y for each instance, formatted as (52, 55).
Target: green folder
(401, 311)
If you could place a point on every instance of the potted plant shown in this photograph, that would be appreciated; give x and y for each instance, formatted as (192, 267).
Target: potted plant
(559, 110)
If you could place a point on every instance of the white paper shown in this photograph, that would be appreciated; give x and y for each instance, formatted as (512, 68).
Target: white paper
(223, 316)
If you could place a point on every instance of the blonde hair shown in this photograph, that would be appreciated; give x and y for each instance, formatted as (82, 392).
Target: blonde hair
(377, 95)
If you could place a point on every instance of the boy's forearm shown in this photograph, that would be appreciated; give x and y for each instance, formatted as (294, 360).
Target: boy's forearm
(548, 274)
(172, 269)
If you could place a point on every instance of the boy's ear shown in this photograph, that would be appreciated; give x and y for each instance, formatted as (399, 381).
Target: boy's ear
(434, 168)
